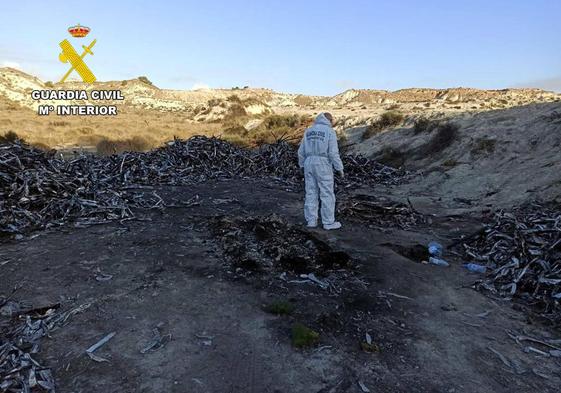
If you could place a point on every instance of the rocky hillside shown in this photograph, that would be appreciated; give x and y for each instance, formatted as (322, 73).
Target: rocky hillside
(494, 157)
(212, 104)
(157, 115)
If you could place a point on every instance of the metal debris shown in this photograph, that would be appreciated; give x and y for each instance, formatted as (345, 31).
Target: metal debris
(103, 277)
(379, 212)
(96, 358)
(363, 387)
(553, 344)
(20, 341)
(39, 190)
(311, 278)
(158, 341)
(522, 250)
(101, 342)
(503, 358)
(205, 340)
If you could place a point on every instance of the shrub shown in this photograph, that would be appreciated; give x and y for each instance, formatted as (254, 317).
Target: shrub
(236, 129)
(280, 307)
(275, 127)
(370, 131)
(303, 336)
(391, 157)
(234, 98)
(235, 110)
(214, 102)
(423, 124)
(49, 84)
(272, 129)
(237, 140)
(484, 145)
(391, 119)
(280, 121)
(41, 146)
(9, 137)
(388, 119)
(144, 79)
(449, 163)
(444, 136)
(108, 147)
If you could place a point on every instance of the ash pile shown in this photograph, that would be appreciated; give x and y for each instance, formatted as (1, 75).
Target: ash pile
(38, 190)
(522, 251)
(269, 245)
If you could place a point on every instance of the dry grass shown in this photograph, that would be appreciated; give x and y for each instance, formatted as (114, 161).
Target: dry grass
(108, 147)
(77, 131)
(272, 129)
(303, 100)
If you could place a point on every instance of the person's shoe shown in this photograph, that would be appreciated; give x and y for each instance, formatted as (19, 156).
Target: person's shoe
(312, 224)
(335, 225)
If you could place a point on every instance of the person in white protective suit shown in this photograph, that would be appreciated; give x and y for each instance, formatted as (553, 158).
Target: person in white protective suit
(318, 155)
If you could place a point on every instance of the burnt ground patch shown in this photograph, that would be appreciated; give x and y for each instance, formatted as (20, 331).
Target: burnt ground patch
(416, 252)
(324, 285)
(269, 245)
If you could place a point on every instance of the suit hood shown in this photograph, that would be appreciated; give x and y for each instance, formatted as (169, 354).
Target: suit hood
(321, 119)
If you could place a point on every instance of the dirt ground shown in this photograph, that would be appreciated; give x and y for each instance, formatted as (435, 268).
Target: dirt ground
(431, 331)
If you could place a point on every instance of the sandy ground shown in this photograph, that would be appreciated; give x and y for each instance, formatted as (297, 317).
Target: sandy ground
(434, 333)
(497, 159)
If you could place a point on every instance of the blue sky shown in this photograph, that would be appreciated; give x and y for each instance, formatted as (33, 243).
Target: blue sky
(311, 47)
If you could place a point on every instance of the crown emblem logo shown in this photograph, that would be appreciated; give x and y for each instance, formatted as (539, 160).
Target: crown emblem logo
(78, 31)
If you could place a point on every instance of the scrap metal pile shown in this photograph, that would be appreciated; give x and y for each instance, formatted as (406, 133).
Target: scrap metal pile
(21, 331)
(38, 190)
(200, 158)
(380, 212)
(523, 250)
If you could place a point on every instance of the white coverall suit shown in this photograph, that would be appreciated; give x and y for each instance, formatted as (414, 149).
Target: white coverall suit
(318, 154)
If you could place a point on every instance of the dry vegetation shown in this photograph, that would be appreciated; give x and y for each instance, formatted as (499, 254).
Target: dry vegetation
(444, 136)
(136, 130)
(389, 119)
(132, 128)
(483, 146)
(423, 124)
(272, 129)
